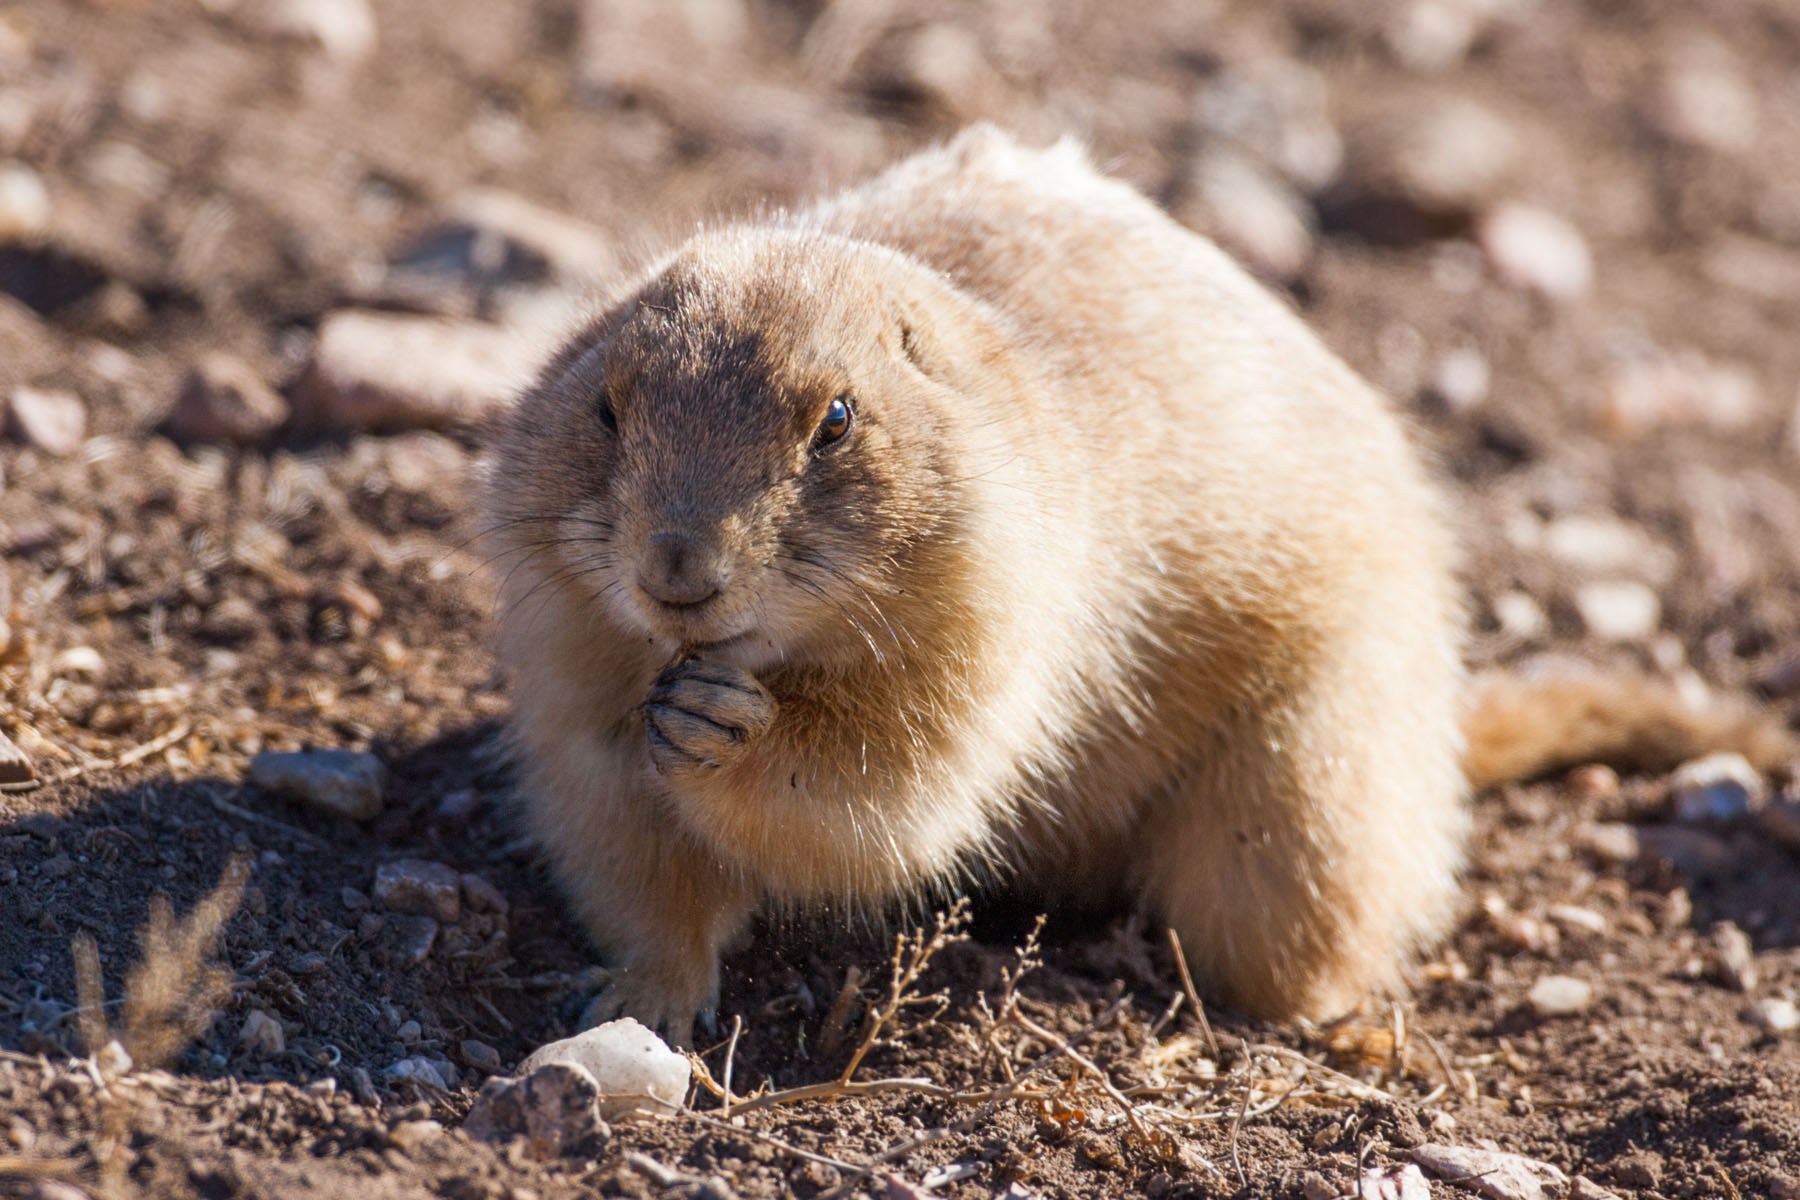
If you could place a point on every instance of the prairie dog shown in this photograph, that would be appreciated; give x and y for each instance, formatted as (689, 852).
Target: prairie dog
(980, 520)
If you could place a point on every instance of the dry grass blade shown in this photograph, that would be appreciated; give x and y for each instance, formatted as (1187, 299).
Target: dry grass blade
(1193, 994)
(90, 993)
(171, 994)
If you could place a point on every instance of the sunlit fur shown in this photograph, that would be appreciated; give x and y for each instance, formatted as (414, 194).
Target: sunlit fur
(1121, 582)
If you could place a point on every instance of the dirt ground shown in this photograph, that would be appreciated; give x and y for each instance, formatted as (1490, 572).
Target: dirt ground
(181, 179)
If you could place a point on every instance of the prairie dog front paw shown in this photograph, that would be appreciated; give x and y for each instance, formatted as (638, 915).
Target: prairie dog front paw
(700, 714)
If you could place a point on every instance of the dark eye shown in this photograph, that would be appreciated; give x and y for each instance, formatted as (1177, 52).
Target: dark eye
(604, 410)
(838, 418)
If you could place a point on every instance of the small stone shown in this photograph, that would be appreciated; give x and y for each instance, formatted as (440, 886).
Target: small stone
(1560, 996)
(344, 29)
(369, 927)
(411, 1136)
(943, 62)
(310, 963)
(1493, 1173)
(1719, 787)
(1597, 781)
(1440, 156)
(350, 597)
(414, 936)
(1277, 109)
(481, 1056)
(461, 805)
(1707, 104)
(345, 782)
(1519, 616)
(24, 203)
(223, 400)
(1536, 249)
(15, 764)
(51, 421)
(1691, 851)
(554, 1111)
(1780, 822)
(415, 885)
(482, 896)
(1574, 917)
(385, 371)
(353, 899)
(1775, 1015)
(78, 662)
(1398, 1181)
(1461, 380)
(420, 1070)
(1252, 212)
(56, 867)
(626, 1060)
(1583, 1188)
(1731, 959)
(495, 237)
(261, 1034)
(1432, 35)
(1680, 390)
(1784, 1187)
(1621, 610)
(1600, 543)
(1637, 1169)
(409, 1032)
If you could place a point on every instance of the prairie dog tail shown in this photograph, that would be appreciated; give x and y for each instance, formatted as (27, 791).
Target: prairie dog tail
(1552, 713)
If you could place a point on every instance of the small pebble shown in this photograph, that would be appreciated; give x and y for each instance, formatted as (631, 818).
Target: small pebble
(345, 782)
(1719, 787)
(261, 1034)
(414, 936)
(482, 896)
(1575, 917)
(420, 1069)
(459, 806)
(1560, 996)
(1609, 841)
(481, 1056)
(1693, 852)
(1776, 1015)
(624, 1058)
(54, 422)
(554, 1111)
(223, 400)
(416, 885)
(1532, 248)
(411, 1136)
(344, 29)
(1461, 380)
(409, 1032)
(1583, 1188)
(1493, 1173)
(1731, 959)
(24, 203)
(1618, 610)
(353, 899)
(1519, 616)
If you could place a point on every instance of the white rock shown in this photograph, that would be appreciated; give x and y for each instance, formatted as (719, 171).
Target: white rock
(1680, 390)
(54, 422)
(1532, 248)
(1401, 1181)
(1618, 610)
(1731, 959)
(555, 1110)
(345, 782)
(1253, 213)
(1573, 916)
(24, 203)
(386, 371)
(1519, 616)
(1719, 787)
(1602, 543)
(1493, 1173)
(1461, 379)
(1583, 1188)
(79, 662)
(1776, 1015)
(344, 29)
(1560, 996)
(1707, 104)
(627, 1060)
(1439, 154)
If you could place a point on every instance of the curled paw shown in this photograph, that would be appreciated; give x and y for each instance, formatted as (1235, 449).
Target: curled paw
(699, 714)
(669, 1012)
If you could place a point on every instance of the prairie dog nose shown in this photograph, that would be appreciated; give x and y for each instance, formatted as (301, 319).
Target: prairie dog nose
(681, 570)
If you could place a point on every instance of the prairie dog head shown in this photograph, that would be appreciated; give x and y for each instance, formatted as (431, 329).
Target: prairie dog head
(747, 458)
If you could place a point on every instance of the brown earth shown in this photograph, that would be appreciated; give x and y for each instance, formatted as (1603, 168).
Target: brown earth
(215, 186)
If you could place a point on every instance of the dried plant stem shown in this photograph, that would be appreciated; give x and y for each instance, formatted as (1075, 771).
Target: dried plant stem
(1193, 994)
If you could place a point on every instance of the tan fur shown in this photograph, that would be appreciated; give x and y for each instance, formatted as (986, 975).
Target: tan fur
(1122, 580)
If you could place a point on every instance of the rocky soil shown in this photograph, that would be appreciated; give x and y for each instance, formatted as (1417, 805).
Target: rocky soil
(267, 266)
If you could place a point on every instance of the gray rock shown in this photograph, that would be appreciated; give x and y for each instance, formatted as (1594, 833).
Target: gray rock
(1493, 1173)
(416, 885)
(1775, 1014)
(554, 1110)
(345, 782)
(414, 936)
(481, 896)
(627, 1061)
(1720, 787)
(1691, 851)
(420, 1070)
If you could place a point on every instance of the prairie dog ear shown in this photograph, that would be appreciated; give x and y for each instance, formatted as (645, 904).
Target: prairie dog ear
(911, 336)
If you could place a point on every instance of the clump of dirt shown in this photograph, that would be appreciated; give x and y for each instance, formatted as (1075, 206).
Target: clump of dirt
(1565, 238)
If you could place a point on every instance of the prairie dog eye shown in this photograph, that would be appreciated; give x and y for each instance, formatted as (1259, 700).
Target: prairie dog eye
(604, 410)
(839, 416)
